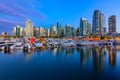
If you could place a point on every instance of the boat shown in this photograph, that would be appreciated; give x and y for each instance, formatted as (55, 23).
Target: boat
(27, 46)
(96, 43)
(84, 43)
(38, 44)
(19, 45)
(52, 44)
(68, 43)
(10, 46)
(106, 43)
(2, 46)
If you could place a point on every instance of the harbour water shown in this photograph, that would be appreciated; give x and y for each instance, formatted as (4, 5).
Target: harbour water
(82, 63)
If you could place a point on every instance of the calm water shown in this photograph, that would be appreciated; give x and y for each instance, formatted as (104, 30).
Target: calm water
(83, 63)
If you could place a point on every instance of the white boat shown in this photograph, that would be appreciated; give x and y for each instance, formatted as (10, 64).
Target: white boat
(52, 43)
(84, 43)
(68, 43)
(95, 43)
(10, 46)
(38, 44)
(19, 45)
(2, 46)
(28, 45)
(56, 42)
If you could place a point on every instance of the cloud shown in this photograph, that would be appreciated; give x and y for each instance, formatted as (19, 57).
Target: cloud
(22, 9)
(9, 11)
(10, 21)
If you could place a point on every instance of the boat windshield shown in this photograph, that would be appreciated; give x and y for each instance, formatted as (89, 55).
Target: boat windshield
(67, 41)
(37, 42)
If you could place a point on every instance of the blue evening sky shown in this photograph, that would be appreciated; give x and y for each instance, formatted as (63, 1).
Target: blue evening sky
(49, 12)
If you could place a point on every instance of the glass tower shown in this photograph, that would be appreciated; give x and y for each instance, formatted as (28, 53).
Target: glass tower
(112, 24)
(83, 27)
(98, 25)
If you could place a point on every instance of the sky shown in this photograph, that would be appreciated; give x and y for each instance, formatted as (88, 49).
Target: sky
(49, 12)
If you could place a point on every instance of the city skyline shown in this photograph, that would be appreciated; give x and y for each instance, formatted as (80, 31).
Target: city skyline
(44, 14)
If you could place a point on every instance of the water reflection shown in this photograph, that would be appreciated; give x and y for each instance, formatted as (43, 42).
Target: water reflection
(85, 53)
(28, 55)
(69, 51)
(112, 56)
(99, 55)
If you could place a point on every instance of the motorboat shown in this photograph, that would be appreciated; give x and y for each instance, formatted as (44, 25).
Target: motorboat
(96, 43)
(10, 46)
(84, 43)
(38, 44)
(2, 46)
(68, 43)
(19, 45)
(52, 43)
(27, 46)
(56, 42)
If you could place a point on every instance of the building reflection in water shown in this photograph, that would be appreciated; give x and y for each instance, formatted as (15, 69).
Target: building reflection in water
(11, 53)
(98, 57)
(59, 51)
(112, 56)
(85, 53)
(97, 54)
(69, 51)
(28, 55)
(53, 51)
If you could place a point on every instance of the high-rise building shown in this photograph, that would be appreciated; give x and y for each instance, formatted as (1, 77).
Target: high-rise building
(89, 29)
(78, 31)
(83, 27)
(47, 33)
(69, 31)
(34, 31)
(22, 32)
(14, 32)
(103, 26)
(37, 33)
(59, 30)
(53, 31)
(98, 25)
(18, 31)
(4, 33)
(42, 32)
(29, 28)
(112, 24)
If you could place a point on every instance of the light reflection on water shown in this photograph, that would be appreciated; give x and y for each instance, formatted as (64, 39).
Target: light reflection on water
(70, 63)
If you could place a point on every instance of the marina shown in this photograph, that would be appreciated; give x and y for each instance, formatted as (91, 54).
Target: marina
(34, 59)
(59, 40)
(28, 44)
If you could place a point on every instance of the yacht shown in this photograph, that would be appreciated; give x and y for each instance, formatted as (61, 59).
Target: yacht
(10, 46)
(84, 43)
(2, 46)
(96, 43)
(19, 45)
(38, 44)
(68, 43)
(52, 43)
(27, 46)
